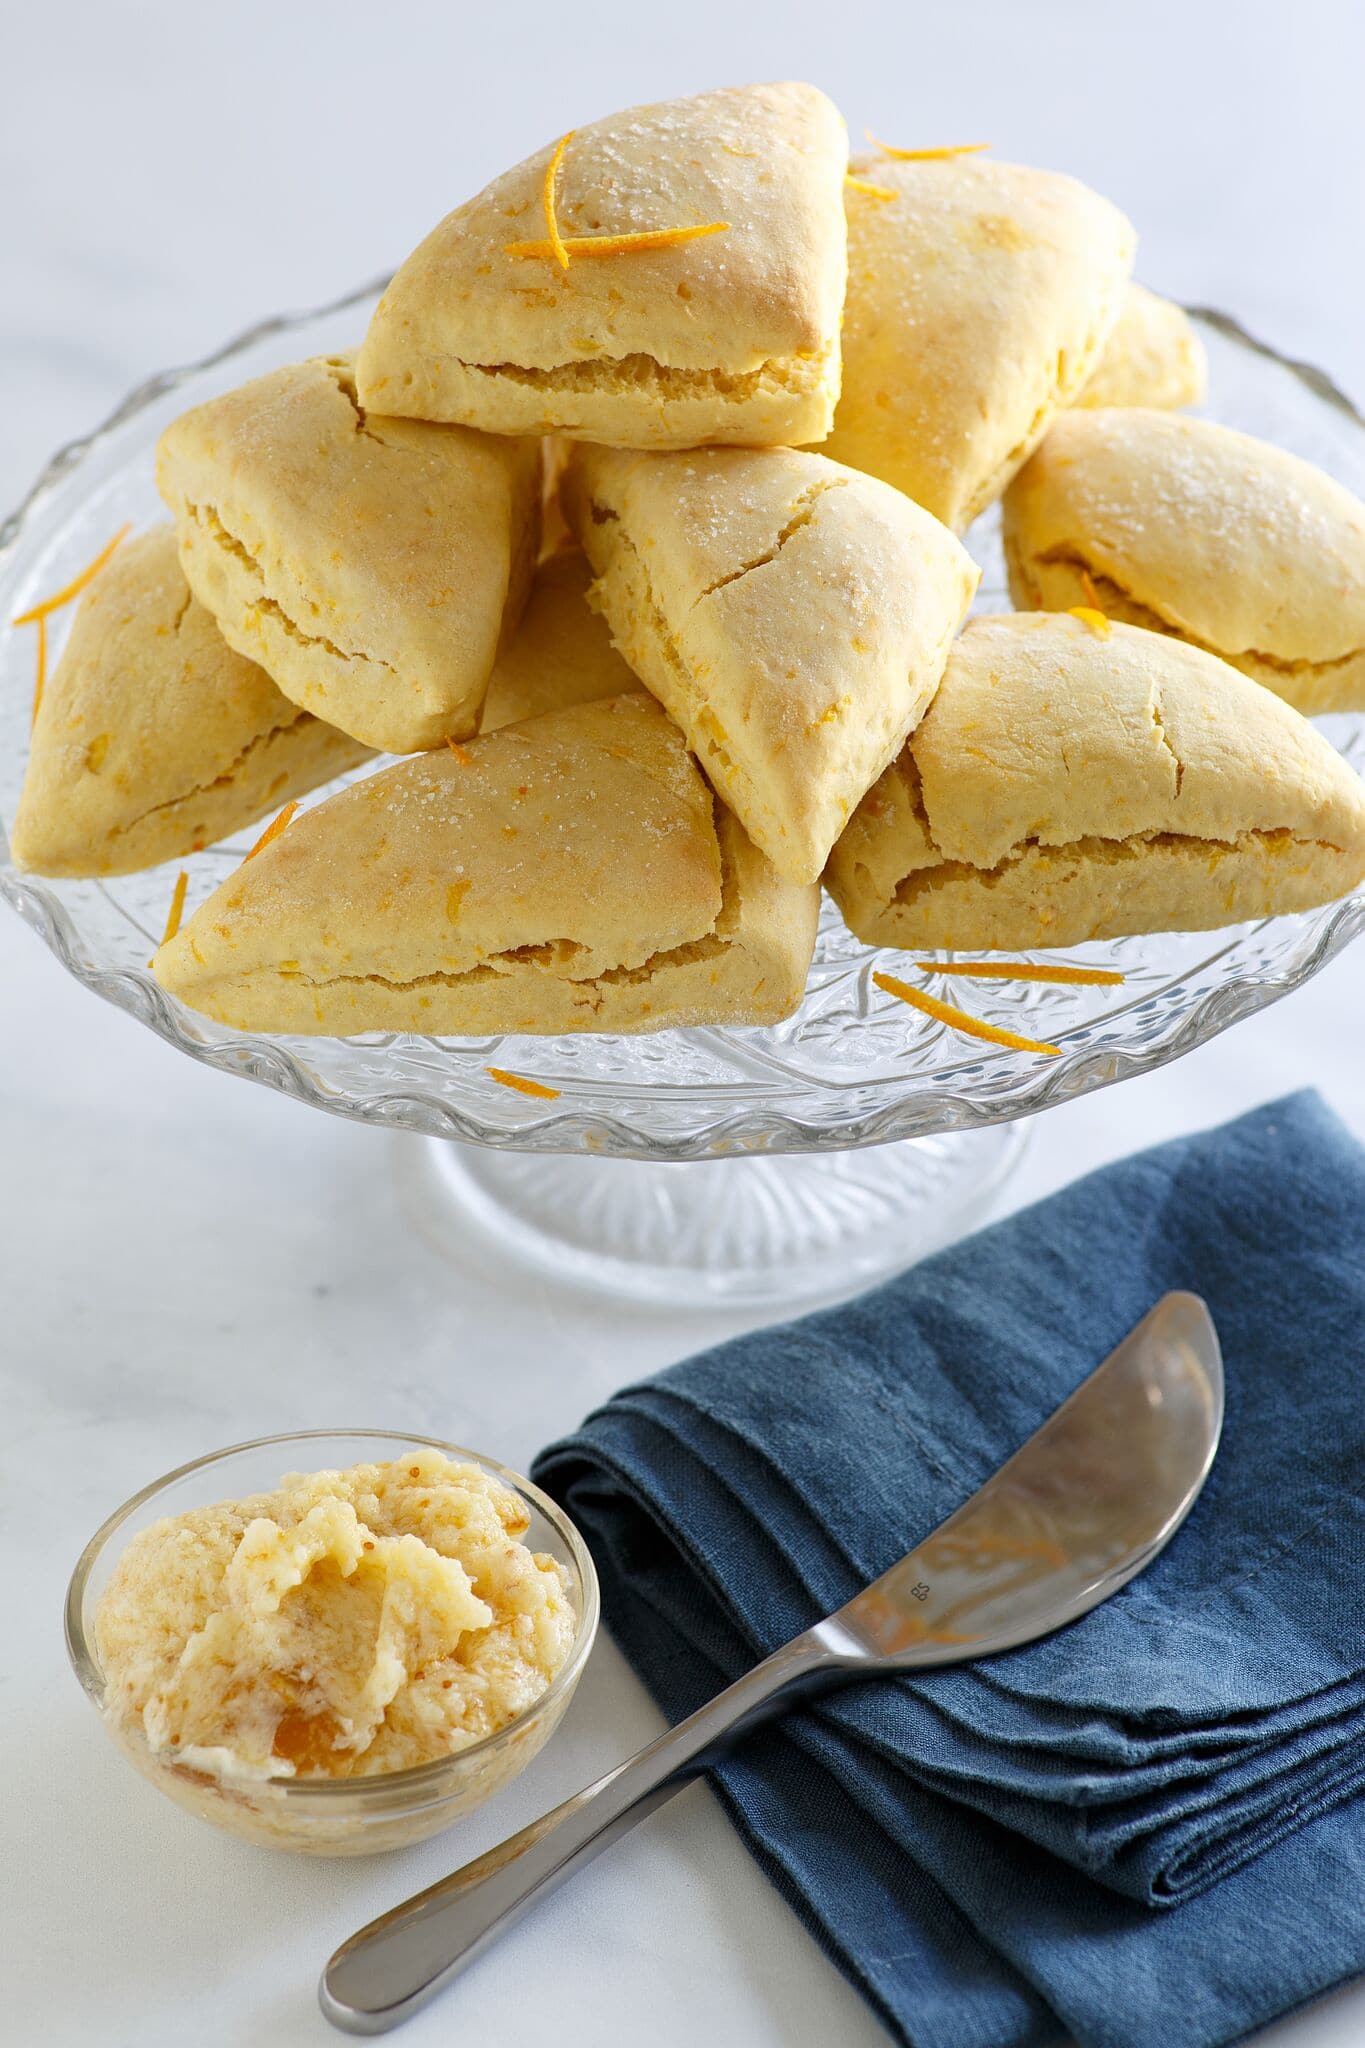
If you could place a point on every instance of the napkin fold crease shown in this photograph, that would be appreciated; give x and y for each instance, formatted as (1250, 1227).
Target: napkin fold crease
(1139, 1830)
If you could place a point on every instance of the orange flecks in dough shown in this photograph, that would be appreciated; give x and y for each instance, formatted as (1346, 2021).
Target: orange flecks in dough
(77, 584)
(273, 830)
(866, 185)
(1020, 970)
(959, 1020)
(177, 909)
(924, 156)
(1089, 616)
(557, 249)
(40, 674)
(619, 245)
(521, 1084)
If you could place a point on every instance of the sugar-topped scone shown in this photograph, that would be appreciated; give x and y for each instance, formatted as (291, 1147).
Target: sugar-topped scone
(792, 615)
(1153, 357)
(371, 566)
(560, 654)
(1194, 529)
(980, 299)
(573, 873)
(1072, 783)
(153, 738)
(732, 335)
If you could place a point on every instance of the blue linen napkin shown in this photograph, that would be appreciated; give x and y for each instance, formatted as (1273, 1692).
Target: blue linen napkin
(1138, 1831)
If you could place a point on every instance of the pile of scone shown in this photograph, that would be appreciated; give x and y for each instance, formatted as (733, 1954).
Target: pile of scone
(687, 401)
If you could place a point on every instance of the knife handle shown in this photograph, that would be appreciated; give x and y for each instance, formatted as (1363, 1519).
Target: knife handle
(391, 1968)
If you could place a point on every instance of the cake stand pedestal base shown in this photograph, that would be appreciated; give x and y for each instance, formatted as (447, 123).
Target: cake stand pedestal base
(748, 1231)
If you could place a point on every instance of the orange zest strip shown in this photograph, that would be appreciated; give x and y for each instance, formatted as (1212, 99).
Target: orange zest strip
(618, 245)
(1092, 596)
(1020, 970)
(177, 909)
(924, 156)
(866, 185)
(75, 586)
(1089, 616)
(557, 249)
(272, 831)
(974, 1027)
(521, 1084)
(40, 677)
(462, 754)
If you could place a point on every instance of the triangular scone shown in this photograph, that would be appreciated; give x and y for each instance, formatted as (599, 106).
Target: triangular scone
(1190, 528)
(560, 654)
(573, 873)
(793, 616)
(980, 299)
(1153, 357)
(1068, 784)
(371, 566)
(153, 738)
(732, 337)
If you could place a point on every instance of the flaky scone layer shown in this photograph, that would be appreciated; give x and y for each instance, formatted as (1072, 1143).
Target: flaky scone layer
(153, 738)
(571, 873)
(981, 296)
(729, 338)
(371, 566)
(1068, 784)
(793, 616)
(1192, 529)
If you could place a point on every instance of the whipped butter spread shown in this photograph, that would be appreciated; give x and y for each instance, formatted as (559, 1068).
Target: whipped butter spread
(349, 1623)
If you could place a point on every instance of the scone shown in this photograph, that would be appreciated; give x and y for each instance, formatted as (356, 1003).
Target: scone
(560, 654)
(573, 873)
(733, 336)
(1153, 357)
(1070, 784)
(980, 299)
(153, 738)
(792, 615)
(371, 566)
(1193, 529)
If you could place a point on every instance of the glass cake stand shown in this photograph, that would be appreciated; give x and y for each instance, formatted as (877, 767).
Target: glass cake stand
(826, 1151)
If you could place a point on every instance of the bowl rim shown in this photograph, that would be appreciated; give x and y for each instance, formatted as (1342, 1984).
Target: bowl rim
(373, 1788)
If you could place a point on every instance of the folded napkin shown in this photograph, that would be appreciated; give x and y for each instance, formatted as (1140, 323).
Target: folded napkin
(1137, 1831)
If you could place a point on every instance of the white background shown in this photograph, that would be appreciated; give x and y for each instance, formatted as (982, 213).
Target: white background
(186, 1260)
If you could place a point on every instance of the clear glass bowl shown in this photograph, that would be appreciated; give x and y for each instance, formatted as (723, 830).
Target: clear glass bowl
(332, 1816)
(853, 1068)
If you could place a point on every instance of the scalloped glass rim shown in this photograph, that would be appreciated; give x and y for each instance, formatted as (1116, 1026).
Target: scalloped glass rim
(854, 1068)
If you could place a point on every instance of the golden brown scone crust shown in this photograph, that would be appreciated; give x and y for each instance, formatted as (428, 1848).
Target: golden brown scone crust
(371, 566)
(980, 299)
(792, 615)
(153, 738)
(1190, 528)
(560, 654)
(1153, 357)
(1067, 785)
(573, 873)
(731, 338)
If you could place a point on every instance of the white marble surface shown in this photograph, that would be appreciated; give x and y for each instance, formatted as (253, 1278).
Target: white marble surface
(184, 1259)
